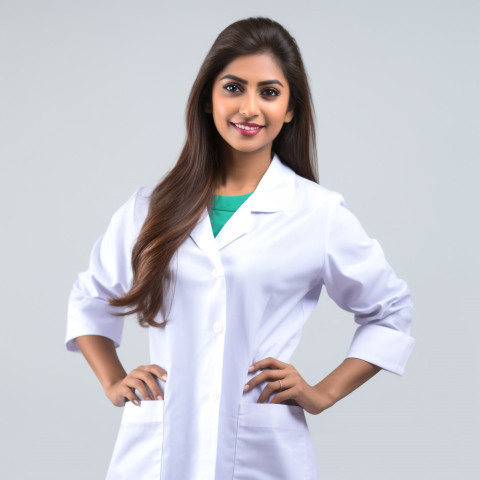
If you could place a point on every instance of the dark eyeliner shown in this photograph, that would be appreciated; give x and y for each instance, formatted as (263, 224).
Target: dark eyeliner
(276, 92)
(232, 85)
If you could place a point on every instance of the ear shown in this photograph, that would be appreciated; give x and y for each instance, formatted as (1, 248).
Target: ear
(207, 107)
(289, 115)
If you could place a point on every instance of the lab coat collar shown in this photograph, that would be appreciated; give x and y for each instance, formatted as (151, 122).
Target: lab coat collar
(273, 194)
(275, 189)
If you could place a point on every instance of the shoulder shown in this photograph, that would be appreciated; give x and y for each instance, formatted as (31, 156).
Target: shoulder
(130, 216)
(329, 209)
(141, 204)
(316, 197)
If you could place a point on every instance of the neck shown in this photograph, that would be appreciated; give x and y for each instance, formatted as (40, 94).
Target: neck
(242, 171)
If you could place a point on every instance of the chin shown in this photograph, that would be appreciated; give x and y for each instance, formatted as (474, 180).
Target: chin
(247, 148)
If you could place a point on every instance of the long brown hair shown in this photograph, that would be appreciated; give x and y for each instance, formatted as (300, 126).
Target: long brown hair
(170, 221)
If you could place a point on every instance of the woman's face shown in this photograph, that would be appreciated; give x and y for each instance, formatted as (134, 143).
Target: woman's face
(249, 103)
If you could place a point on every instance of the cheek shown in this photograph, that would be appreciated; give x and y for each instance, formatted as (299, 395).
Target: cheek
(277, 113)
(220, 121)
(222, 107)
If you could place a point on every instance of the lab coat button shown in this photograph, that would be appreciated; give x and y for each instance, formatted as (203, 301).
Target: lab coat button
(217, 327)
(217, 272)
(215, 396)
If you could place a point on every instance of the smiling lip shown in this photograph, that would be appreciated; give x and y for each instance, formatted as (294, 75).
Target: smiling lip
(250, 130)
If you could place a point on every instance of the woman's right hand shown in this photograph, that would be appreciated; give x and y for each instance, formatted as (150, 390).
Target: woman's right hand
(143, 379)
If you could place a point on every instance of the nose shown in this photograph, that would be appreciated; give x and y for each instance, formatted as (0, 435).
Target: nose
(249, 106)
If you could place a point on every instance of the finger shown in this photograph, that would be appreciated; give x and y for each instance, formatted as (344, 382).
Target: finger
(289, 393)
(155, 392)
(268, 362)
(265, 376)
(269, 389)
(155, 370)
(283, 397)
(133, 382)
(129, 394)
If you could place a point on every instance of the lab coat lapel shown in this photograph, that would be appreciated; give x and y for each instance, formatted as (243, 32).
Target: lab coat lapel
(271, 195)
(202, 235)
(238, 224)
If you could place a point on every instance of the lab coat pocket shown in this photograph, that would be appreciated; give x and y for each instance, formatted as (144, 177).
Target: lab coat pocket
(138, 448)
(273, 443)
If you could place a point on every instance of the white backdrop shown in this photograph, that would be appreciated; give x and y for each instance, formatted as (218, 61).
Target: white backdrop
(92, 103)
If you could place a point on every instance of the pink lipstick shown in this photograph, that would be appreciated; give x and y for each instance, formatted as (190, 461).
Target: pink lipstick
(247, 129)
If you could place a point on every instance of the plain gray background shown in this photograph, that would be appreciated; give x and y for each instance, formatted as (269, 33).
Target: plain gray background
(92, 106)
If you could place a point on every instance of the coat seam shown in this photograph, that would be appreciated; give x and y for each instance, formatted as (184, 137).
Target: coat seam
(236, 441)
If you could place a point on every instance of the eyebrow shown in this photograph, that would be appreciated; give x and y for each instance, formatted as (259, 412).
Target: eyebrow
(241, 80)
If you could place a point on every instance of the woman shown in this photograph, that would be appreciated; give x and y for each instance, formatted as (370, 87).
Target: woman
(224, 261)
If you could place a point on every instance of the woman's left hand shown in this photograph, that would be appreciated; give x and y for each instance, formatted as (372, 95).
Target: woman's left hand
(294, 389)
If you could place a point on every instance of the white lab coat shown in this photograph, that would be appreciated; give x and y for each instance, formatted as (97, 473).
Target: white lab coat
(238, 298)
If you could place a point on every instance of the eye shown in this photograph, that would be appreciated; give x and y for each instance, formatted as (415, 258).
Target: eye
(232, 87)
(271, 92)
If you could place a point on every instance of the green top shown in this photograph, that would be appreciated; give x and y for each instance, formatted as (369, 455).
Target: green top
(223, 208)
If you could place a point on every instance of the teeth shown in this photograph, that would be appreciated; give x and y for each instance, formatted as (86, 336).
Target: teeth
(246, 128)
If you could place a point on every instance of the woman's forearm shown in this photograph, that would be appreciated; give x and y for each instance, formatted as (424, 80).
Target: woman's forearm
(347, 377)
(102, 357)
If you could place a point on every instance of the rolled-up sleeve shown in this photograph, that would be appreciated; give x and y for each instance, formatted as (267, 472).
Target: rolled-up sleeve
(109, 274)
(359, 279)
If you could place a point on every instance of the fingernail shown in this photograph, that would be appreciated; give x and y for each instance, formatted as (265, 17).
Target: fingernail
(136, 402)
(246, 387)
(159, 397)
(164, 377)
(251, 368)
